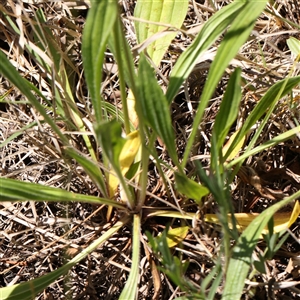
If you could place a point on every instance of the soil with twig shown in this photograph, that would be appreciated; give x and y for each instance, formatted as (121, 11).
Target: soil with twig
(37, 238)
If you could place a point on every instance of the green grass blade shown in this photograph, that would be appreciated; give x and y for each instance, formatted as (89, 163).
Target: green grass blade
(240, 262)
(155, 108)
(118, 44)
(228, 109)
(109, 135)
(14, 190)
(171, 12)
(28, 290)
(125, 67)
(215, 283)
(237, 34)
(131, 287)
(211, 30)
(98, 27)
(225, 118)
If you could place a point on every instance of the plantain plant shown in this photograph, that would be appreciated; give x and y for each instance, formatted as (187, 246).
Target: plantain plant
(127, 138)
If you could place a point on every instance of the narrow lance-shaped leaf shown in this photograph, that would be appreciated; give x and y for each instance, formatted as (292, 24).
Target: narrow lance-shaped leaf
(225, 118)
(235, 37)
(271, 143)
(109, 135)
(229, 108)
(117, 42)
(154, 106)
(90, 167)
(98, 27)
(14, 190)
(206, 37)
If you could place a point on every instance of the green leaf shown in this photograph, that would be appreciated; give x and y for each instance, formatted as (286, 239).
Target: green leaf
(131, 287)
(109, 135)
(190, 188)
(211, 30)
(118, 45)
(98, 27)
(236, 36)
(14, 190)
(260, 266)
(294, 46)
(126, 70)
(28, 290)
(228, 110)
(154, 107)
(167, 12)
(240, 262)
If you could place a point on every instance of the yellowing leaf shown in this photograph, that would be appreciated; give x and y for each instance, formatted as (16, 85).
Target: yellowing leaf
(131, 109)
(126, 158)
(282, 221)
(129, 151)
(236, 149)
(176, 235)
(171, 214)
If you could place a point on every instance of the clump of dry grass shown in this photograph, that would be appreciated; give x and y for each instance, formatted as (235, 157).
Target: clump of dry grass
(39, 237)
